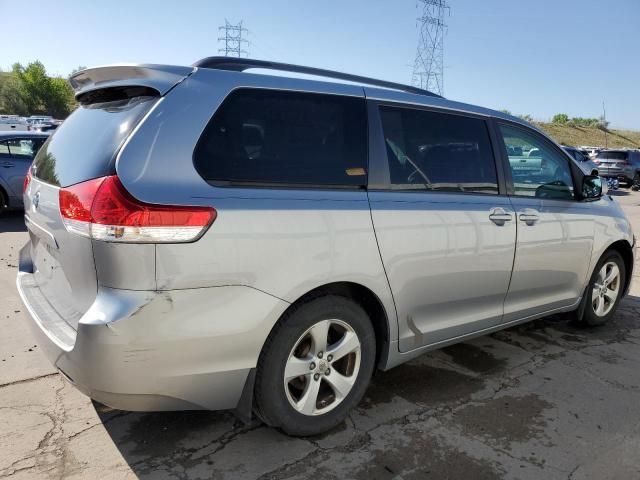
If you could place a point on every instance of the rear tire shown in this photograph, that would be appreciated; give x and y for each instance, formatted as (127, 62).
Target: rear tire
(605, 289)
(635, 185)
(306, 385)
(4, 202)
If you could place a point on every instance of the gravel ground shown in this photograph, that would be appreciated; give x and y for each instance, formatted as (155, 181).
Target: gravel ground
(542, 400)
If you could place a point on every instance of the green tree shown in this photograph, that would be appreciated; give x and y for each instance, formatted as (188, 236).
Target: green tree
(32, 91)
(11, 98)
(61, 100)
(560, 118)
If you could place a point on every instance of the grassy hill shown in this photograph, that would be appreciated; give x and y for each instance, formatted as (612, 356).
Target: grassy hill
(569, 135)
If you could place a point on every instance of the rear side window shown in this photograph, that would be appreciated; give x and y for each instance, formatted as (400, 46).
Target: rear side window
(86, 144)
(267, 137)
(613, 155)
(438, 151)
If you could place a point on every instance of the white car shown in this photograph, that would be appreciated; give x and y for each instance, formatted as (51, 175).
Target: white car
(13, 123)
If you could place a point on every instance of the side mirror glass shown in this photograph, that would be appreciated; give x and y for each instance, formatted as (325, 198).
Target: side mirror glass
(591, 187)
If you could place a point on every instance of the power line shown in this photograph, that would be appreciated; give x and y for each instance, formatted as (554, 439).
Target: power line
(428, 65)
(233, 39)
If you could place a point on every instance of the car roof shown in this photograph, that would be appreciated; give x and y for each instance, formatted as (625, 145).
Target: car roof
(163, 77)
(24, 134)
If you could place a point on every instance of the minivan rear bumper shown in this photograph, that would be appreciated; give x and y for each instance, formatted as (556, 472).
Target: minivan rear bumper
(149, 351)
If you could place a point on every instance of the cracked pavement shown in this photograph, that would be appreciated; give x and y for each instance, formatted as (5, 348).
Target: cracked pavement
(541, 400)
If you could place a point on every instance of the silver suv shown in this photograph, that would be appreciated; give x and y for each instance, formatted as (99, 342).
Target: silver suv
(208, 238)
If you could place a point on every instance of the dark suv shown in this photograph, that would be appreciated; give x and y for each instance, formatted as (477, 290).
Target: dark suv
(621, 164)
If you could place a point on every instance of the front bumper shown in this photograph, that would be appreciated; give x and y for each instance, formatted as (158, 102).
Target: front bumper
(150, 351)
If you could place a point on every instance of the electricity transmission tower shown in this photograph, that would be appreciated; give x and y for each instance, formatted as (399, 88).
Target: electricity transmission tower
(233, 39)
(428, 65)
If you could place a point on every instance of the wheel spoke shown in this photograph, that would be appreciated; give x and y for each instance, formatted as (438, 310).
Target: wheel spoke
(599, 306)
(319, 334)
(595, 293)
(296, 367)
(611, 294)
(612, 274)
(308, 401)
(341, 385)
(347, 344)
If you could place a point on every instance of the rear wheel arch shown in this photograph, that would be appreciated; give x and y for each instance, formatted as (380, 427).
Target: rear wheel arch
(362, 296)
(365, 298)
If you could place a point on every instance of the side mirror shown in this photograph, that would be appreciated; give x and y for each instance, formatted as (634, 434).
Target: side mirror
(591, 187)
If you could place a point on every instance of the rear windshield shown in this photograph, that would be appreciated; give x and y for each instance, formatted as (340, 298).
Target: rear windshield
(614, 155)
(86, 144)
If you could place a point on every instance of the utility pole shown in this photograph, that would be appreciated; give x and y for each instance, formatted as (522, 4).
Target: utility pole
(233, 39)
(604, 118)
(428, 66)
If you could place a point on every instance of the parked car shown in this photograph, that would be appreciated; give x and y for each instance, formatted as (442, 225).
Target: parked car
(621, 164)
(270, 246)
(12, 123)
(39, 119)
(591, 151)
(588, 166)
(44, 127)
(17, 150)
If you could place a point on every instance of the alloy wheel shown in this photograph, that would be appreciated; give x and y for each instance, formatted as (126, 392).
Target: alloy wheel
(322, 367)
(605, 289)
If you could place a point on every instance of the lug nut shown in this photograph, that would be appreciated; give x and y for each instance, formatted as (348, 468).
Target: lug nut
(329, 357)
(320, 354)
(312, 366)
(316, 377)
(327, 371)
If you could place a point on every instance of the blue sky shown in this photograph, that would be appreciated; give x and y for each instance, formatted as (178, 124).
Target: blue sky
(536, 57)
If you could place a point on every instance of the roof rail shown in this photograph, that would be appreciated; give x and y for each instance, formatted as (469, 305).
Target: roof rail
(242, 64)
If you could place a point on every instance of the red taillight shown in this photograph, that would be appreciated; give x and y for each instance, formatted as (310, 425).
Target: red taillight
(102, 209)
(26, 181)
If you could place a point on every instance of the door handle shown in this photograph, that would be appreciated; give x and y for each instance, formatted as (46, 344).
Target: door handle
(499, 216)
(8, 165)
(529, 216)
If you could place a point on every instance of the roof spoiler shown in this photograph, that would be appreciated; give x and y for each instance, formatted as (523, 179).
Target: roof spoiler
(160, 78)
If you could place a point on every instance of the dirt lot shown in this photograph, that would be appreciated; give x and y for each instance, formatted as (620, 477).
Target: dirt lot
(543, 400)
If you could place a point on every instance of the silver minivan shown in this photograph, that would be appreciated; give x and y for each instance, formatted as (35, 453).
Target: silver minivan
(209, 238)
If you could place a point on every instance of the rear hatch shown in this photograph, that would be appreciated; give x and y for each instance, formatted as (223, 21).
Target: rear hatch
(612, 163)
(61, 275)
(83, 147)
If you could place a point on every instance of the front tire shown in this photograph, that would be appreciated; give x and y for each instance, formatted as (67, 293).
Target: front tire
(605, 289)
(315, 365)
